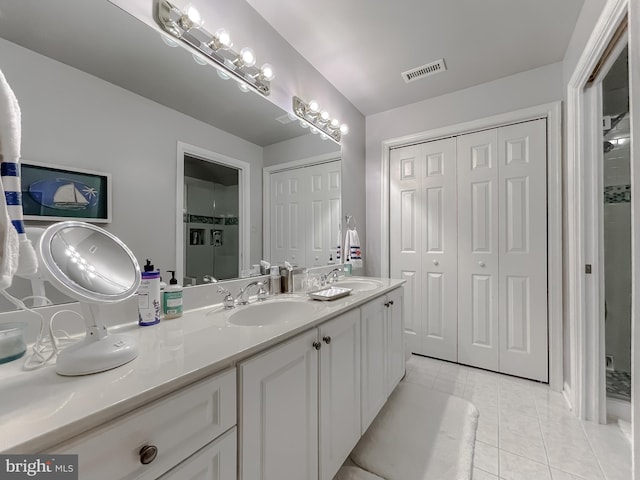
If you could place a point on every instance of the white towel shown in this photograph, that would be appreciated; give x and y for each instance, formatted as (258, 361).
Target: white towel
(352, 249)
(17, 255)
(339, 246)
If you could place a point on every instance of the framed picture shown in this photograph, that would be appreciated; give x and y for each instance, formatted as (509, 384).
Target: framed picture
(55, 193)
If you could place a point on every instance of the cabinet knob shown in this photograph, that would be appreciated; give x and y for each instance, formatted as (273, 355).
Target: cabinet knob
(326, 339)
(386, 304)
(316, 345)
(436, 262)
(481, 263)
(390, 302)
(148, 454)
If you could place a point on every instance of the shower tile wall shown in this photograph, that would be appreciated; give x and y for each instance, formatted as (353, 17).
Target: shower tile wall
(617, 252)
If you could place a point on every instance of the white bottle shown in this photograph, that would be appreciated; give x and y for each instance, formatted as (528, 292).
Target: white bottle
(172, 298)
(149, 296)
(274, 280)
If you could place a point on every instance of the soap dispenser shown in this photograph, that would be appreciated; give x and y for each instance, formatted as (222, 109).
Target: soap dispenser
(149, 296)
(172, 298)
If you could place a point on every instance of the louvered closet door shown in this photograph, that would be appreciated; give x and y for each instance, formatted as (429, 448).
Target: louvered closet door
(478, 249)
(523, 250)
(424, 244)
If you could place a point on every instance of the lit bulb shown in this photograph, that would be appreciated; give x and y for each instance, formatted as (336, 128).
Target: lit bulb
(324, 116)
(191, 18)
(324, 136)
(74, 260)
(223, 75)
(267, 73)
(67, 252)
(314, 130)
(314, 107)
(304, 124)
(223, 38)
(92, 275)
(198, 59)
(335, 123)
(72, 248)
(82, 267)
(168, 41)
(243, 87)
(247, 57)
(344, 129)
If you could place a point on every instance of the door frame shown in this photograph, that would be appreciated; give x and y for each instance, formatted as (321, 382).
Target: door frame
(244, 201)
(584, 310)
(552, 113)
(266, 189)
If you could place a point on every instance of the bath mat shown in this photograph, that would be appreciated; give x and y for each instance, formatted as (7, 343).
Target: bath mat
(420, 434)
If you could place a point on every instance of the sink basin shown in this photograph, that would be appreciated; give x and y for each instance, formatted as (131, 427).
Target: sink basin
(271, 312)
(358, 285)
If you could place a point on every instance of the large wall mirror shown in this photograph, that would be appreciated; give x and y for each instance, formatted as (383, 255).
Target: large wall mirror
(99, 90)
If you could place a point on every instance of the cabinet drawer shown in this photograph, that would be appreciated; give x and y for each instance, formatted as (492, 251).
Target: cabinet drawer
(177, 425)
(216, 461)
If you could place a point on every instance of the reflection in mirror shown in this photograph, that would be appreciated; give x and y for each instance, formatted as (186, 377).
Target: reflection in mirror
(119, 101)
(211, 236)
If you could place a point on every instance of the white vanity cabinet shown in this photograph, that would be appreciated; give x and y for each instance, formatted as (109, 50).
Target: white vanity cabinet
(151, 440)
(383, 362)
(285, 432)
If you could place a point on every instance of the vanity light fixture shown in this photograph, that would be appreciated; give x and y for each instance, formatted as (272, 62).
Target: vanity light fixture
(186, 26)
(320, 121)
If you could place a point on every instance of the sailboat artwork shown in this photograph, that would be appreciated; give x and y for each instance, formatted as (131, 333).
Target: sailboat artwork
(63, 194)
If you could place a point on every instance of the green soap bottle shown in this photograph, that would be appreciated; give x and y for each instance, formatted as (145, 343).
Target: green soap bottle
(172, 298)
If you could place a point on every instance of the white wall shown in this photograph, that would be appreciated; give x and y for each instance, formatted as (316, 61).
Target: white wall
(71, 118)
(534, 87)
(306, 146)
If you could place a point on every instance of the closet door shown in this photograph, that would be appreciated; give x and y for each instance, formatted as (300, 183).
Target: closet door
(478, 249)
(424, 243)
(523, 250)
(288, 228)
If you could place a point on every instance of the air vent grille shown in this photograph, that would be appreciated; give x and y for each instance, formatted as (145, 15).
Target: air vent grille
(424, 71)
(285, 119)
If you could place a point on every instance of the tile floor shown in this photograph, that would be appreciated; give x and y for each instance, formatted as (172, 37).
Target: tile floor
(525, 430)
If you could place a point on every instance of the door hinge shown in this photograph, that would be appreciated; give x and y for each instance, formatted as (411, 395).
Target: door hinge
(587, 268)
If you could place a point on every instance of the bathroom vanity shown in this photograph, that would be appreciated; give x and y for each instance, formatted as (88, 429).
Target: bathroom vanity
(252, 392)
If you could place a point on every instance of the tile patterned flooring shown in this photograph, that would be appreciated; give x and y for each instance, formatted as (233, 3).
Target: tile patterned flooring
(525, 430)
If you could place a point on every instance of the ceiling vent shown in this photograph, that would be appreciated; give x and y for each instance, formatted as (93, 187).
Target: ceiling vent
(285, 119)
(424, 71)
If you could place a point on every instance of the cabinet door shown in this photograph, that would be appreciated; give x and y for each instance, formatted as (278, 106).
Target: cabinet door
(339, 391)
(395, 338)
(216, 461)
(478, 249)
(374, 360)
(279, 416)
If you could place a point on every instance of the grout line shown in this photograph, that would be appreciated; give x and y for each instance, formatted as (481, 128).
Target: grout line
(593, 450)
(544, 442)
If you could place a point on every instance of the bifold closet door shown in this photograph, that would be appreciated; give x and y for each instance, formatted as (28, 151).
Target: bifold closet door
(424, 245)
(478, 249)
(323, 187)
(523, 250)
(288, 223)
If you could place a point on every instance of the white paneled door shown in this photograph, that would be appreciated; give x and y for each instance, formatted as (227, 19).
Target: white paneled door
(424, 243)
(469, 233)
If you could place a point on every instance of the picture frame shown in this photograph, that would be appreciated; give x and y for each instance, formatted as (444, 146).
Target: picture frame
(53, 193)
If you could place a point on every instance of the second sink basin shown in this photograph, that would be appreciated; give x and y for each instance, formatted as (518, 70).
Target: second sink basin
(270, 312)
(359, 285)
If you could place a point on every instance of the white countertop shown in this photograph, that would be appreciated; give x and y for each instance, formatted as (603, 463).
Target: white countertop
(39, 409)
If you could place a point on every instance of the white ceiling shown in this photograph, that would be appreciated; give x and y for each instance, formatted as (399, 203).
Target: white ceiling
(362, 46)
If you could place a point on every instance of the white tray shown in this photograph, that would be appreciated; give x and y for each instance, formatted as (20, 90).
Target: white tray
(330, 293)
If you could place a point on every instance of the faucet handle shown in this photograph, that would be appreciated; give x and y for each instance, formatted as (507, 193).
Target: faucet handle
(228, 301)
(262, 292)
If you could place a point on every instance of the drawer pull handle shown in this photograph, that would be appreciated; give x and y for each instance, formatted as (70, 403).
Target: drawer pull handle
(148, 454)
(327, 339)
(317, 345)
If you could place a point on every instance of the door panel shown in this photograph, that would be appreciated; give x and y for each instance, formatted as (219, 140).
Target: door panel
(478, 250)
(523, 250)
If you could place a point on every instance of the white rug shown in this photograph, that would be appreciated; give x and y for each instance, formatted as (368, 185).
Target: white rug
(420, 434)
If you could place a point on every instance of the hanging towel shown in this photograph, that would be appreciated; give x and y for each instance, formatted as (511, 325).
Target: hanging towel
(339, 246)
(17, 255)
(352, 249)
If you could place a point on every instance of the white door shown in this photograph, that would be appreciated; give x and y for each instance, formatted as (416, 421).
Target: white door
(323, 204)
(522, 283)
(288, 227)
(279, 421)
(423, 243)
(339, 417)
(374, 359)
(478, 249)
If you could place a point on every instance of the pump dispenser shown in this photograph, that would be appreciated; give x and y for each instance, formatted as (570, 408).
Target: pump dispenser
(172, 298)
(149, 296)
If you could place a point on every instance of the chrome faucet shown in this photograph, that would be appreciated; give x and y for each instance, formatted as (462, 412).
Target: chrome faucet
(262, 293)
(209, 279)
(228, 301)
(333, 274)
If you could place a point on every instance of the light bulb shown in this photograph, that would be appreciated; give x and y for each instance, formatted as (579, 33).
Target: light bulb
(304, 124)
(324, 116)
(344, 129)
(324, 136)
(335, 123)
(191, 18)
(243, 87)
(168, 41)
(198, 59)
(314, 107)
(223, 75)
(221, 40)
(247, 57)
(314, 130)
(267, 73)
